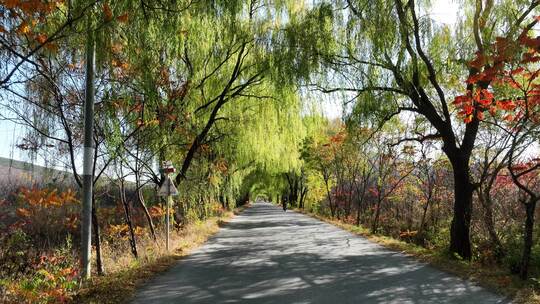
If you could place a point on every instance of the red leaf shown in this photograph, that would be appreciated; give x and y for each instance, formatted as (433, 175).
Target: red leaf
(475, 78)
(484, 102)
(506, 105)
(478, 62)
(517, 71)
(461, 99)
(468, 109)
(492, 110)
(501, 44)
(480, 115)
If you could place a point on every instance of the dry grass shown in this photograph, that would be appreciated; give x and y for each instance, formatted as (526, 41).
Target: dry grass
(491, 277)
(126, 273)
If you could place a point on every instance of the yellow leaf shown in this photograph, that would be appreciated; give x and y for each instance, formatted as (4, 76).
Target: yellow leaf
(23, 28)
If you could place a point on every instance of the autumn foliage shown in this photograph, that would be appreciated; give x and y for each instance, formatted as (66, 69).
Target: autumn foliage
(37, 257)
(503, 82)
(27, 19)
(39, 237)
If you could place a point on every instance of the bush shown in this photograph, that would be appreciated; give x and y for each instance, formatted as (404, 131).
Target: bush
(48, 216)
(37, 259)
(15, 254)
(514, 250)
(31, 277)
(438, 238)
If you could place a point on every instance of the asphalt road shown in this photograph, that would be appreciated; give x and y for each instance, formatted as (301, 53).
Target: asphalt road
(267, 256)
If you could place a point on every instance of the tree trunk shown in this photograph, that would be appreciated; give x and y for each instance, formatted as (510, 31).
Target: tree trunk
(127, 213)
(486, 203)
(361, 195)
(303, 197)
(527, 239)
(424, 213)
(360, 203)
(140, 199)
(376, 218)
(97, 239)
(295, 191)
(350, 198)
(460, 242)
(358, 216)
(329, 195)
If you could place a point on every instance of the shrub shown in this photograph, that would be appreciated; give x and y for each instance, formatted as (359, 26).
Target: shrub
(30, 277)
(48, 216)
(512, 259)
(15, 254)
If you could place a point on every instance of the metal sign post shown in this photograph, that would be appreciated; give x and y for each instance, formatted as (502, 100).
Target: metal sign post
(168, 189)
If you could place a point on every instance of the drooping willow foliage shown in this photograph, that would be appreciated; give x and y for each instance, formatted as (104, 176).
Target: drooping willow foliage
(211, 86)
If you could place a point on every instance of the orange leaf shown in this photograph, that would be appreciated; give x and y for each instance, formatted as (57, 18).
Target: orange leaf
(41, 38)
(487, 94)
(23, 212)
(107, 12)
(123, 18)
(509, 117)
(11, 3)
(53, 47)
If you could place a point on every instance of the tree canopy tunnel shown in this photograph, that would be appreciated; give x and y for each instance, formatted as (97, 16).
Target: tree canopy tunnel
(261, 183)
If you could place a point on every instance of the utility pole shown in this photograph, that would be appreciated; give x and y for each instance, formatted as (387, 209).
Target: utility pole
(88, 156)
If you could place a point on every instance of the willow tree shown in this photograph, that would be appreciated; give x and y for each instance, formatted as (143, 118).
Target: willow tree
(392, 58)
(199, 70)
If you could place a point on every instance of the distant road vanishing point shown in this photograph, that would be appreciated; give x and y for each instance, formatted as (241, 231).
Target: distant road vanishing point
(266, 255)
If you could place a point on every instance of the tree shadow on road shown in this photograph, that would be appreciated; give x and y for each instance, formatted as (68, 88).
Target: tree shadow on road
(266, 257)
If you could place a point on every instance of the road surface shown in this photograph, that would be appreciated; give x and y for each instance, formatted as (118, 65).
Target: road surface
(267, 256)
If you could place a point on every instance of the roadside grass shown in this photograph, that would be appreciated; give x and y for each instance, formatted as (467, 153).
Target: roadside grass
(121, 282)
(492, 277)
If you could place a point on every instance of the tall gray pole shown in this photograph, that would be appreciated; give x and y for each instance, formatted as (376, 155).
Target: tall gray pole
(88, 157)
(169, 197)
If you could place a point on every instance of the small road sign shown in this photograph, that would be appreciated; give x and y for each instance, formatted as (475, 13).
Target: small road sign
(167, 188)
(167, 167)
